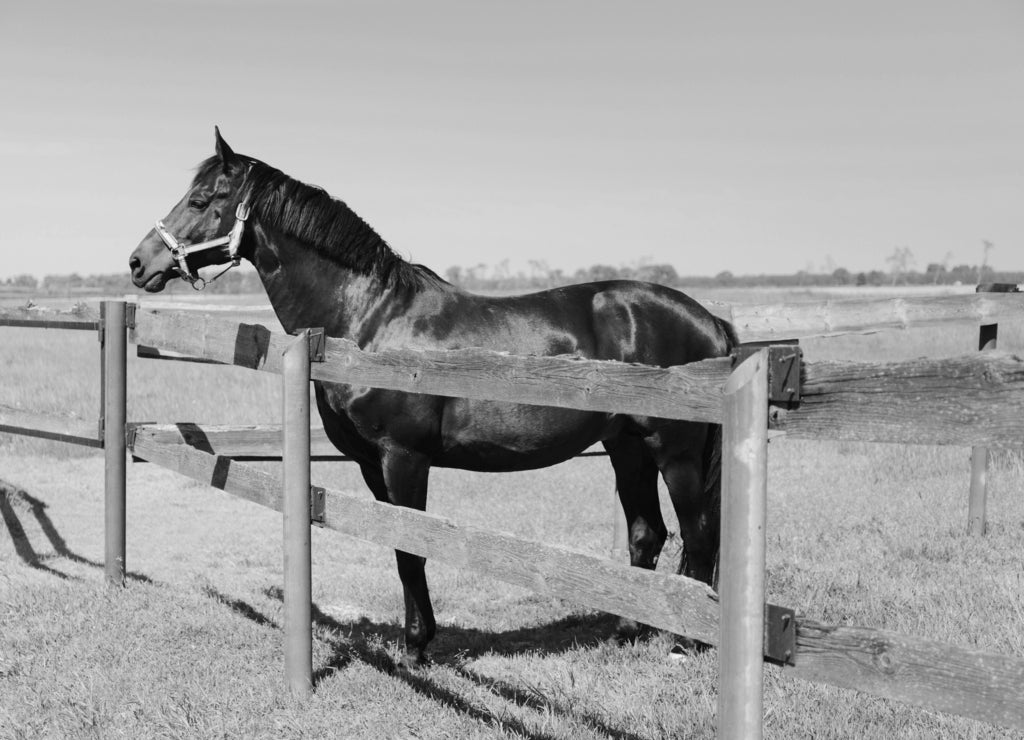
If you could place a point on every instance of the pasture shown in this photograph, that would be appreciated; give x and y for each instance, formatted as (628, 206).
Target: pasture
(857, 534)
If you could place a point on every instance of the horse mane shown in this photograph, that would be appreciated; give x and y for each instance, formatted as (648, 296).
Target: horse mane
(324, 223)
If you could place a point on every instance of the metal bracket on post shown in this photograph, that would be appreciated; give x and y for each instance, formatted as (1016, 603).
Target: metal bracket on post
(988, 334)
(317, 344)
(130, 431)
(129, 315)
(779, 635)
(784, 367)
(317, 505)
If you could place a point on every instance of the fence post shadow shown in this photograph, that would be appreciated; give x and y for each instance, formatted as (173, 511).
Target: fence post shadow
(23, 547)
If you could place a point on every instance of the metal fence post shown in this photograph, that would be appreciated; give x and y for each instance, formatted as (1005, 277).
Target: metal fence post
(114, 348)
(977, 500)
(742, 572)
(298, 630)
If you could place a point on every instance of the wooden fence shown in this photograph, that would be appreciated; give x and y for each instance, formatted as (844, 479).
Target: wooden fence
(970, 401)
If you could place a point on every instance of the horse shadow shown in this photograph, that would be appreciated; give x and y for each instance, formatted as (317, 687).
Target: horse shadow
(365, 641)
(14, 504)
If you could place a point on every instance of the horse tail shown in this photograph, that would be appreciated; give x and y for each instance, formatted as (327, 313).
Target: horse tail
(712, 459)
(713, 491)
(732, 341)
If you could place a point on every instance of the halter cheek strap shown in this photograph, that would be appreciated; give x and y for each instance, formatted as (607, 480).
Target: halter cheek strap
(181, 252)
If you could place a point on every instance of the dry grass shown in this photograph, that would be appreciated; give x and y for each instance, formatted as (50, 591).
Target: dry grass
(858, 534)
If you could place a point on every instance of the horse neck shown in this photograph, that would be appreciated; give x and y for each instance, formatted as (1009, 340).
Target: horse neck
(309, 289)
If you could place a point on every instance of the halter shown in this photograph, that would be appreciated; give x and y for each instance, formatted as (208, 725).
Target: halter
(181, 252)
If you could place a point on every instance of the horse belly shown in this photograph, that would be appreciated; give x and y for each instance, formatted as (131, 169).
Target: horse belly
(500, 437)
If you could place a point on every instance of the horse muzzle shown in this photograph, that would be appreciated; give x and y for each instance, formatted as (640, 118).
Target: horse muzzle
(151, 265)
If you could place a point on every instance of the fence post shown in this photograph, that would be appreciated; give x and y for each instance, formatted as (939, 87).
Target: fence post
(298, 597)
(114, 350)
(977, 500)
(742, 571)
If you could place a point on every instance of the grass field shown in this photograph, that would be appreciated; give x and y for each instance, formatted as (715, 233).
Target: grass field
(859, 534)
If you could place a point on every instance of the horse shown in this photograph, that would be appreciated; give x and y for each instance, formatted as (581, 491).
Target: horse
(322, 265)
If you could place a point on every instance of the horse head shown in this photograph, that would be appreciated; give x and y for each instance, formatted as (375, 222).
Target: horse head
(204, 228)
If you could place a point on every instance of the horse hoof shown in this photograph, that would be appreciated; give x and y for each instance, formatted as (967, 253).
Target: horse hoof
(629, 630)
(685, 647)
(413, 660)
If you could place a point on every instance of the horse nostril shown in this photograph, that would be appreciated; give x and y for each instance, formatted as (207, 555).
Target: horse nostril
(134, 263)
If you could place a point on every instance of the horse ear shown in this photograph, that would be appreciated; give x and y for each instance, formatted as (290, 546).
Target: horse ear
(224, 152)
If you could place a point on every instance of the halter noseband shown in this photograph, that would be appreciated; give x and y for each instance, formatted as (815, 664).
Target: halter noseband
(181, 252)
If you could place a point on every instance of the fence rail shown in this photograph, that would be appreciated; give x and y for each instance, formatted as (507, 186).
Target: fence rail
(976, 399)
(779, 321)
(973, 400)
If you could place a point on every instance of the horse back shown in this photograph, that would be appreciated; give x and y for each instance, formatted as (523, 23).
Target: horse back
(621, 320)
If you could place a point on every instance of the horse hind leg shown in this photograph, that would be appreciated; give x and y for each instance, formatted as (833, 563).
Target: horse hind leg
(691, 476)
(636, 480)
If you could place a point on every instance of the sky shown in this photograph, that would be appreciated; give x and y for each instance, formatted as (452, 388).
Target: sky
(746, 136)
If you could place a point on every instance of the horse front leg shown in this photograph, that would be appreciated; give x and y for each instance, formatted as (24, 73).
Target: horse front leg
(403, 481)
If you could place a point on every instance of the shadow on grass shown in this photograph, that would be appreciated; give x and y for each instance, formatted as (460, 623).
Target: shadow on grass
(13, 500)
(364, 640)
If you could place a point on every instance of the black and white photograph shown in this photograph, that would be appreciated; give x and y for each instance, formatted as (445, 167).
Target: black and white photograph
(558, 370)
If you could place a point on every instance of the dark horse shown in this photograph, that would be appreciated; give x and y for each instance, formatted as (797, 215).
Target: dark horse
(322, 265)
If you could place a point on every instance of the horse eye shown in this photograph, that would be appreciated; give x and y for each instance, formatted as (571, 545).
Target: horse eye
(198, 205)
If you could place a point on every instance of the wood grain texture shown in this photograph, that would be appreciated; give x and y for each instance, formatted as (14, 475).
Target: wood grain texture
(913, 670)
(754, 323)
(211, 338)
(44, 426)
(228, 475)
(675, 603)
(690, 392)
(972, 400)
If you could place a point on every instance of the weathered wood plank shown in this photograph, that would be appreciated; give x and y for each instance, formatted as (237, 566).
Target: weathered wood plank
(211, 338)
(81, 317)
(224, 473)
(669, 602)
(259, 441)
(925, 673)
(972, 400)
(975, 400)
(43, 426)
(779, 321)
(690, 392)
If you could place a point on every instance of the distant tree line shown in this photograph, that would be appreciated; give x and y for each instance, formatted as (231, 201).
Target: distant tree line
(538, 275)
(118, 283)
